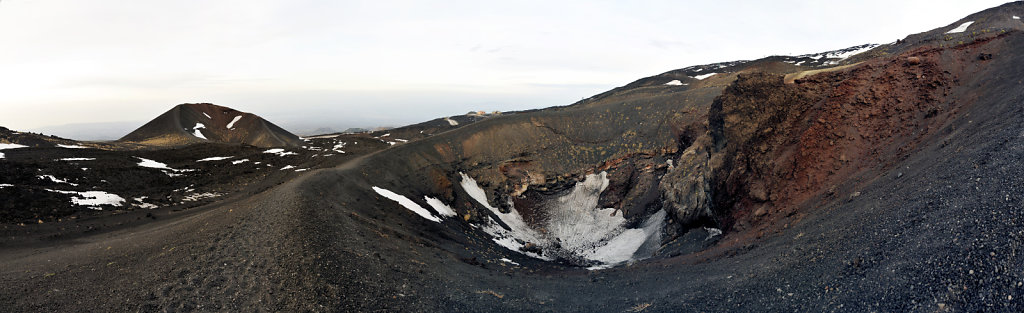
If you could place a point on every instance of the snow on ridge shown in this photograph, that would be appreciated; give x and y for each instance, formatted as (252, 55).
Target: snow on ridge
(674, 82)
(287, 167)
(215, 159)
(207, 115)
(236, 162)
(1016, 17)
(6, 185)
(843, 55)
(233, 121)
(451, 121)
(71, 146)
(702, 77)
(961, 28)
(408, 204)
(77, 159)
(198, 133)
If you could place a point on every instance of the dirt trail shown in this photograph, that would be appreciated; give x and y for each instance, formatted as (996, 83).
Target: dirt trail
(237, 256)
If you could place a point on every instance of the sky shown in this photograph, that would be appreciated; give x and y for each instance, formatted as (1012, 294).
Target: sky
(307, 64)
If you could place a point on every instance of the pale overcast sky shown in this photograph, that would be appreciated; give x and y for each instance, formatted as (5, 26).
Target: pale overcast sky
(343, 63)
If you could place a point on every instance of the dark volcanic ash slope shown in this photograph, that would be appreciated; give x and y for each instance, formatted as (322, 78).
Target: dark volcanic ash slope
(204, 122)
(64, 188)
(889, 185)
(887, 179)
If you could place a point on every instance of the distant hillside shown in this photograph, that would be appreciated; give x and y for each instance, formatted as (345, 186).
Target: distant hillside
(204, 122)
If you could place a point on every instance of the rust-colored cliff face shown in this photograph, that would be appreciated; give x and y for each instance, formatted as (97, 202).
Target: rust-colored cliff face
(783, 145)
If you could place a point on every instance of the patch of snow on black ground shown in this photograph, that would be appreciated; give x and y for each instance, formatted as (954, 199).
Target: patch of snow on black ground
(280, 152)
(214, 159)
(961, 28)
(77, 159)
(92, 199)
(440, 206)
(577, 230)
(407, 203)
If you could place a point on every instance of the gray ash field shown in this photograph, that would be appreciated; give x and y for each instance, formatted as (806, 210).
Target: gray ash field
(870, 179)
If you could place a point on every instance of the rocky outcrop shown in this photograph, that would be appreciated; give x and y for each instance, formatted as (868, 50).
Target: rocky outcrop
(784, 146)
(686, 187)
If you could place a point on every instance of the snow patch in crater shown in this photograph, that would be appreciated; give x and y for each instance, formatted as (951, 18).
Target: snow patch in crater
(674, 82)
(576, 228)
(440, 207)
(407, 203)
(517, 233)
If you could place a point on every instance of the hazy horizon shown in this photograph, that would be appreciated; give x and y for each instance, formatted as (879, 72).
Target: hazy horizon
(308, 64)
